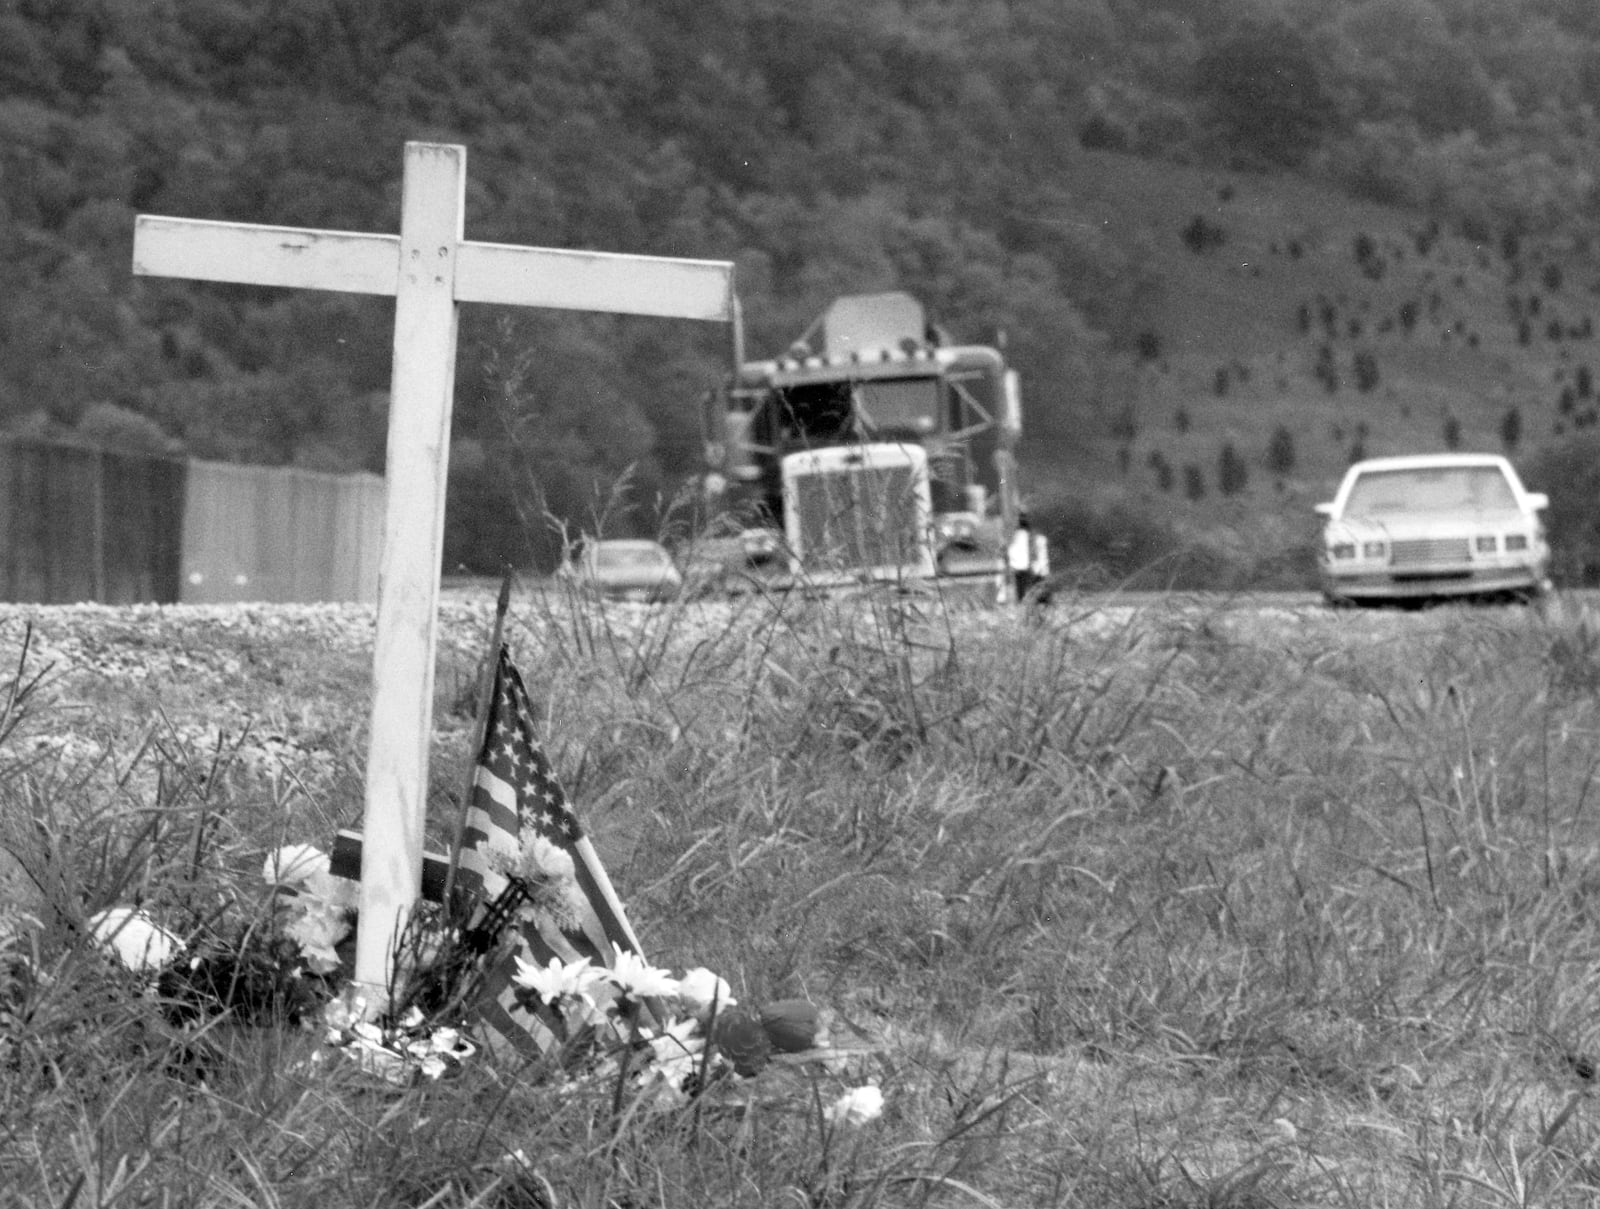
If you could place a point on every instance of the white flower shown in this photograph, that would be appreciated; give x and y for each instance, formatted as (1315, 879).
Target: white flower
(676, 1042)
(856, 1107)
(699, 989)
(139, 942)
(556, 980)
(307, 870)
(541, 856)
(637, 979)
(296, 865)
(343, 1013)
(317, 931)
(676, 1053)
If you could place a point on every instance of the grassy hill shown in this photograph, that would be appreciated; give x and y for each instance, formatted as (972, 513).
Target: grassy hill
(1357, 329)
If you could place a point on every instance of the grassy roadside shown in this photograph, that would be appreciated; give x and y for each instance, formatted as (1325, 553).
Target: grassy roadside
(1172, 904)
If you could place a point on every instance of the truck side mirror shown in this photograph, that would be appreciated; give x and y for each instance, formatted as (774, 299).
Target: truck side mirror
(1011, 415)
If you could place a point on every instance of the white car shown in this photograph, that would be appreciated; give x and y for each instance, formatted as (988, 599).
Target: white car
(1432, 526)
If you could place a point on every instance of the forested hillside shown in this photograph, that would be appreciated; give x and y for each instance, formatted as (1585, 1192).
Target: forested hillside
(969, 152)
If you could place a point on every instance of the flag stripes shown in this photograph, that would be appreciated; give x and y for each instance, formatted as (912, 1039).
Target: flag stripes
(515, 795)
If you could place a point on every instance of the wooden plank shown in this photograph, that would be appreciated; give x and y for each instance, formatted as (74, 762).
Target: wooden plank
(276, 256)
(401, 730)
(345, 861)
(595, 281)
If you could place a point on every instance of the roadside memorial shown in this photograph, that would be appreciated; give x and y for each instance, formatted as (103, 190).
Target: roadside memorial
(429, 268)
(527, 947)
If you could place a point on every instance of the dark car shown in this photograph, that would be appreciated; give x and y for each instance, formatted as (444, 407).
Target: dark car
(626, 569)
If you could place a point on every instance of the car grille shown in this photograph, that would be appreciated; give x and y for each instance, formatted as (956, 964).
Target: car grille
(1429, 551)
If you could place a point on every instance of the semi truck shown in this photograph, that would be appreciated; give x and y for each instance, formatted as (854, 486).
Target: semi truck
(872, 450)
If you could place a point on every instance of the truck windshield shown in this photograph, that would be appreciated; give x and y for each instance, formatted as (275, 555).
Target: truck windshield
(817, 414)
(895, 406)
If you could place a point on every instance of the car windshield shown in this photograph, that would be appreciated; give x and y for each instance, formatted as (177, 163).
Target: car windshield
(1433, 489)
(625, 558)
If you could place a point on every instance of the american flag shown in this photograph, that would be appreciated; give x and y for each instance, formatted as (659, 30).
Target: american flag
(514, 793)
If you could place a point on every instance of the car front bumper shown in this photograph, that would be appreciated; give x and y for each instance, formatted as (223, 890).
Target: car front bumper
(1435, 582)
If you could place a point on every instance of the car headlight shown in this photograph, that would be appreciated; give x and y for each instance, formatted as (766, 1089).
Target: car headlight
(1371, 549)
(1485, 544)
(1516, 541)
(1342, 550)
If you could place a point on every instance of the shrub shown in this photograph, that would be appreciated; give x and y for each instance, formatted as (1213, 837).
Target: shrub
(1280, 451)
(1200, 236)
(1100, 133)
(1232, 473)
(1366, 371)
(1511, 429)
(123, 430)
(1097, 544)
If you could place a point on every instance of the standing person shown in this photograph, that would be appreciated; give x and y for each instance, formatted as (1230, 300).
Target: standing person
(1039, 568)
(1020, 557)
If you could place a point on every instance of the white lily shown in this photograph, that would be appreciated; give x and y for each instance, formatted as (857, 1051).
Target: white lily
(857, 1107)
(637, 979)
(557, 980)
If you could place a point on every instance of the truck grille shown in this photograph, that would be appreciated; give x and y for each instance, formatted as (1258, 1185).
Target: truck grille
(858, 518)
(1429, 551)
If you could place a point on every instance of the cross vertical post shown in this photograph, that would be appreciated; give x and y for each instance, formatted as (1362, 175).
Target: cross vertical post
(429, 269)
(416, 464)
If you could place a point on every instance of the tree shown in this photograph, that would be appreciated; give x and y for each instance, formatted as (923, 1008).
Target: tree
(1572, 519)
(1263, 87)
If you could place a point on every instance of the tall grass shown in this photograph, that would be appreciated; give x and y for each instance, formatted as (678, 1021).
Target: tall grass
(1174, 903)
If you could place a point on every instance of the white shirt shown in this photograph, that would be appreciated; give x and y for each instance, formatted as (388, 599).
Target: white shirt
(1020, 553)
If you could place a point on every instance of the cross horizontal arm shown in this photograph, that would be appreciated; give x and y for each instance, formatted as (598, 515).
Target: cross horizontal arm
(358, 263)
(253, 255)
(594, 281)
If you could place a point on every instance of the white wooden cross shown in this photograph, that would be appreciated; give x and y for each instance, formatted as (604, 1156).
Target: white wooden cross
(429, 268)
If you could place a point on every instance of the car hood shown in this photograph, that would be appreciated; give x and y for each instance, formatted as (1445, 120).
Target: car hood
(1404, 528)
(623, 577)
